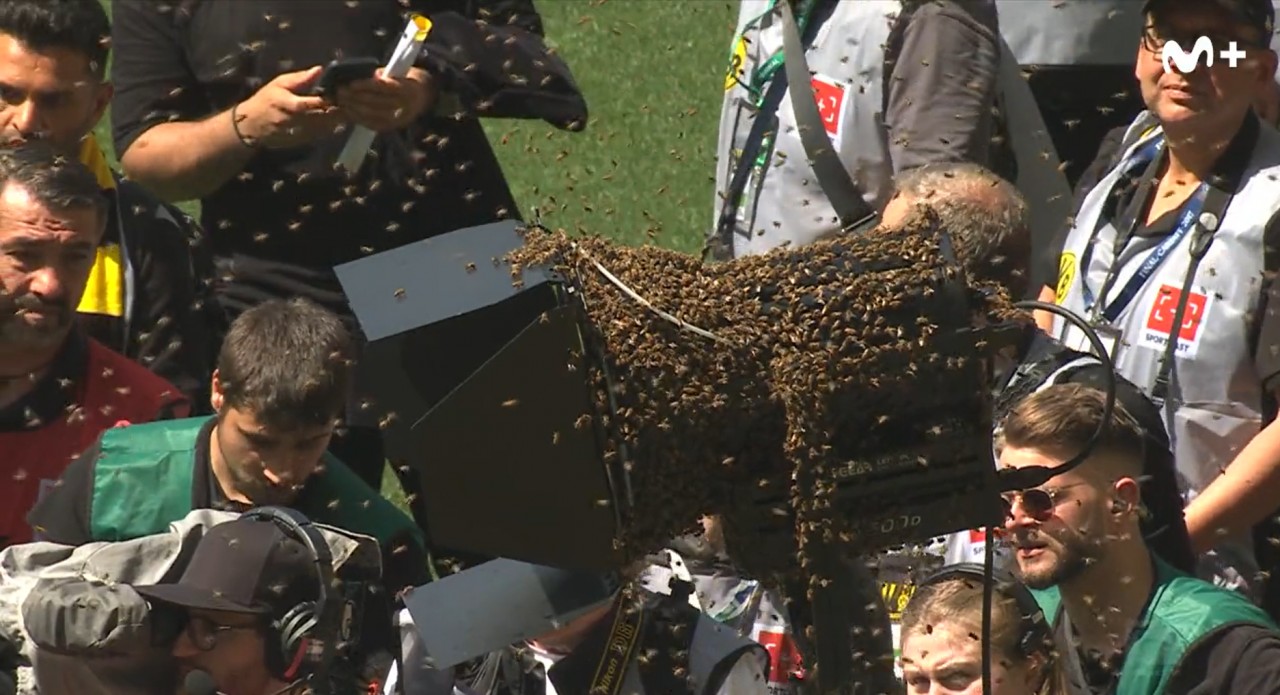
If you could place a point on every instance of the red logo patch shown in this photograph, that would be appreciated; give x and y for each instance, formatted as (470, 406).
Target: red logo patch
(784, 657)
(1162, 310)
(830, 98)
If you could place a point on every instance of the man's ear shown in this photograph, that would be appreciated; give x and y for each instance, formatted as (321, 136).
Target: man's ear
(215, 392)
(102, 100)
(1127, 494)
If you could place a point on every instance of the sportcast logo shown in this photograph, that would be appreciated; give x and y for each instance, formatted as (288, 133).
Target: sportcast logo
(1172, 53)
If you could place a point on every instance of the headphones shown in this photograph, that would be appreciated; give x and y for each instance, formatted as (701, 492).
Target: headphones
(1035, 628)
(302, 643)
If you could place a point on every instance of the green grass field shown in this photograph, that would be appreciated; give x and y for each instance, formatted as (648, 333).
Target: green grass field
(652, 72)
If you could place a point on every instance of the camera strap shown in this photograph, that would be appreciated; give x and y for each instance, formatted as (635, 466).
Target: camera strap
(619, 648)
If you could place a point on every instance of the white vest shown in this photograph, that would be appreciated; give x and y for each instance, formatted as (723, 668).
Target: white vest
(847, 58)
(1071, 32)
(1214, 405)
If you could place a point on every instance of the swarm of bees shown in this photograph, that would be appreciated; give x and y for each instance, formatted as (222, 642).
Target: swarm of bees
(769, 371)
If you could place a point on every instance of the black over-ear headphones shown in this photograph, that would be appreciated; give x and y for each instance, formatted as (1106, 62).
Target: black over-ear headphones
(1034, 628)
(302, 642)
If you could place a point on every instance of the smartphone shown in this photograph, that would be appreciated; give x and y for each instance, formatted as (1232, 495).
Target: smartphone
(344, 71)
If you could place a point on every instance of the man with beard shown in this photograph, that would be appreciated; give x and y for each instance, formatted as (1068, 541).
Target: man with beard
(59, 389)
(280, 386)
(151, 269)
(1128, 623)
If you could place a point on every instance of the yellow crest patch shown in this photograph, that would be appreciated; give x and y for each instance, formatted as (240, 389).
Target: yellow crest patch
(1066, 276)
(737, 64)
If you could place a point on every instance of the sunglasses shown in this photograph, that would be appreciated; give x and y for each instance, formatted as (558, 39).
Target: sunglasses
(1037, 503)
(204, 633)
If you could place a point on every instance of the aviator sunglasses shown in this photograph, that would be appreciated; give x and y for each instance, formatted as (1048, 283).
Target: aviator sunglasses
(1037, 503)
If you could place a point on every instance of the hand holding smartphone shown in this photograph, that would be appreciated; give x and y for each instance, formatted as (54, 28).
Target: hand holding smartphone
(343, 72)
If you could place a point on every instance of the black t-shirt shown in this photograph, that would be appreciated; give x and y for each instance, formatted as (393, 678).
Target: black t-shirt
(279, 228)
(1238, 658)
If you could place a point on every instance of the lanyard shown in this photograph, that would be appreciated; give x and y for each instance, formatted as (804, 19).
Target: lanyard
(1154, 259)
(763, 74)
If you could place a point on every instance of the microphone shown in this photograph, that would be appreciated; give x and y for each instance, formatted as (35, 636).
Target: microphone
(200, 683)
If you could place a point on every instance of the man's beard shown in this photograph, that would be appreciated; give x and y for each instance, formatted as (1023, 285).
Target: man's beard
(16, 332)
(1073, 554)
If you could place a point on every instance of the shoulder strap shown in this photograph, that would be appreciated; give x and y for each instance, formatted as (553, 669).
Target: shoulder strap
(841, 191)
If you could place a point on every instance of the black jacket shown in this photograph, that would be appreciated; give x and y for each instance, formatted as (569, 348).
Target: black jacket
(168, 319)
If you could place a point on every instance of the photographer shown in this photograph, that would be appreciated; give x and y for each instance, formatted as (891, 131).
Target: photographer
(229, 595)
(249, 608)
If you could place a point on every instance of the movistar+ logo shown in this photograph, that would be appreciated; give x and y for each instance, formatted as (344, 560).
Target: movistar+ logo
(1172, 53)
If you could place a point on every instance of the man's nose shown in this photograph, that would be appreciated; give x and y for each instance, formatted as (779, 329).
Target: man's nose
(1017, 517)
(183, 647)
(285, 472)
(25, 118)
(47, 283)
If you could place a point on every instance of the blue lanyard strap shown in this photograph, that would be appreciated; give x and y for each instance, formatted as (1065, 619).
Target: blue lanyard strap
(1156, 257)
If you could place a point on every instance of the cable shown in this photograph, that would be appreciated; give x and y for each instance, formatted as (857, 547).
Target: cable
(1035, 476)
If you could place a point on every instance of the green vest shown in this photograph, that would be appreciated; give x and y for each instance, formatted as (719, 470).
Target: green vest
(143, 478)
(1181, 611)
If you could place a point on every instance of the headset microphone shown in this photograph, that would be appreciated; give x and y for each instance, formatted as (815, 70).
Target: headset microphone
(200, 683)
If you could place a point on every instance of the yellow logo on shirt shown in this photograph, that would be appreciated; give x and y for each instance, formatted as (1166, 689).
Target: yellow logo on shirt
(737, 64)
(1066, 276)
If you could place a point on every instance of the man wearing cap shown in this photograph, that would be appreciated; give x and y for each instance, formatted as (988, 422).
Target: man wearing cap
(1168, 258)
(252, 623)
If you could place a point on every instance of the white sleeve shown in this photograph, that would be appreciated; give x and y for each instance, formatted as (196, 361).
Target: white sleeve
(745, 678)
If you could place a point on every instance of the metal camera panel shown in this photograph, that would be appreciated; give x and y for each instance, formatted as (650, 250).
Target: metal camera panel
(473, 375)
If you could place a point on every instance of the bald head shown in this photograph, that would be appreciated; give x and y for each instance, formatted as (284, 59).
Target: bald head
(985, 215)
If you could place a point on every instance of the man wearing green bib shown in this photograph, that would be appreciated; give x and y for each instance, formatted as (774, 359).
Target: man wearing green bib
(278, 391)
(1126, 622)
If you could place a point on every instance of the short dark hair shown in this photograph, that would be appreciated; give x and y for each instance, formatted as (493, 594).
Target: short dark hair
(1062, 418)
(985, 215)
(78, 25)
(57, 181)
(287, 361)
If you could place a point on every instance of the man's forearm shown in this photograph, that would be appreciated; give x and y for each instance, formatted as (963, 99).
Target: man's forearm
(1043, 318)
(187, 160)
(1247, 492)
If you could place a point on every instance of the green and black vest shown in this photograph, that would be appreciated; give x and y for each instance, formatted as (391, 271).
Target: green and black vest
(144, 474)
(1182, 611)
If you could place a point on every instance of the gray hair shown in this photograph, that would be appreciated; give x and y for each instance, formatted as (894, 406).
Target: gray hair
(56, 180)
(985, 215)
